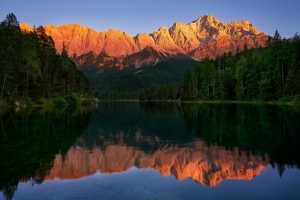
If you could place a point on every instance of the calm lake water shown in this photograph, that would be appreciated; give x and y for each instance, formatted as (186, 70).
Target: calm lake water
(132, 150)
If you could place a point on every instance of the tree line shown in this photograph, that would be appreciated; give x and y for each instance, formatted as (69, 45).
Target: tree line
(127, 83)
(267, 74)
(161, 92)
(31, 69)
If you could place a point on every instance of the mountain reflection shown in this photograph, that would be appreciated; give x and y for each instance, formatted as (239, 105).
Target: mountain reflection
(260, 129)
(208, 165)
(207, 143)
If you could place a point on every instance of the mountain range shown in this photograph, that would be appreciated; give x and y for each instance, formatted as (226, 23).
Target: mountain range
(206, 36)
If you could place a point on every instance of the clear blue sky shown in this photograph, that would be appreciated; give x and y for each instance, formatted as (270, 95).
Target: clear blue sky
(145, 16)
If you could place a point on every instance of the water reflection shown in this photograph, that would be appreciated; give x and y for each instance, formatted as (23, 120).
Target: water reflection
(31, 139)
(208, 165)
(259, 129)
(207, 143)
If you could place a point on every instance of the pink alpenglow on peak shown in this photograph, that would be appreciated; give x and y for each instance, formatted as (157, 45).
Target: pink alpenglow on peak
(206, 36)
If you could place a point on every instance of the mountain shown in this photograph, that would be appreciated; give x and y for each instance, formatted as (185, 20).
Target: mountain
(203, 37)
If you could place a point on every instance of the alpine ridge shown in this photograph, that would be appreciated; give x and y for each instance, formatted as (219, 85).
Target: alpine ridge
(203, 37)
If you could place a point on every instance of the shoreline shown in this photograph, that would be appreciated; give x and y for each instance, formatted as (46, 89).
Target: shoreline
(290, 103)
(50, 104)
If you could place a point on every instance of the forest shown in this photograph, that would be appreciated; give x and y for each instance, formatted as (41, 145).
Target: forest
(31, 71)
(257, 74)
(130, 81)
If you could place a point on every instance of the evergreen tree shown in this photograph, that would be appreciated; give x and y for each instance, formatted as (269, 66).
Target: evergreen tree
(187, 92)
(30, 67)
(240, 73)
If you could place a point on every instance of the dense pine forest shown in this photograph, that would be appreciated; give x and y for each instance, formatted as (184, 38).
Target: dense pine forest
(264, 74)
(130, 81)
(31, 70)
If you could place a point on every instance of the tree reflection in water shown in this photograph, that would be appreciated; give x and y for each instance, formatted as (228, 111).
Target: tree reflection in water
(31, 141)
(208, 143)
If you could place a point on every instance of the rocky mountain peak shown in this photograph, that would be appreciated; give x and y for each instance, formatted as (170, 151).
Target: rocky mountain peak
(163, 39)
(206, 36)
(143, 40)
(184, 37)
(209, 20)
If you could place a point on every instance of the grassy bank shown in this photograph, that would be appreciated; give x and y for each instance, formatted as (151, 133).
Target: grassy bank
(71, 100)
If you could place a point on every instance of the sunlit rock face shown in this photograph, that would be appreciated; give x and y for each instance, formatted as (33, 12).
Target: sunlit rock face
(184, 37)
(208, 165)
(217, 38)
(203, 37)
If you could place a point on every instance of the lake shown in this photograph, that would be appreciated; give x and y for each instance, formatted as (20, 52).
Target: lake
(158, 150)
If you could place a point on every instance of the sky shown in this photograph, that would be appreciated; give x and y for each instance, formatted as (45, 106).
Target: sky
(145, 16)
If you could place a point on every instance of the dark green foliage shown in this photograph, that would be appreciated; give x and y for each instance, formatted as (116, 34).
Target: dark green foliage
(187, 85)
(268, 74)
(72, 99)
(129, 82)
(86, 102)
(60, 102)
(31, 68)
(161, 92)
